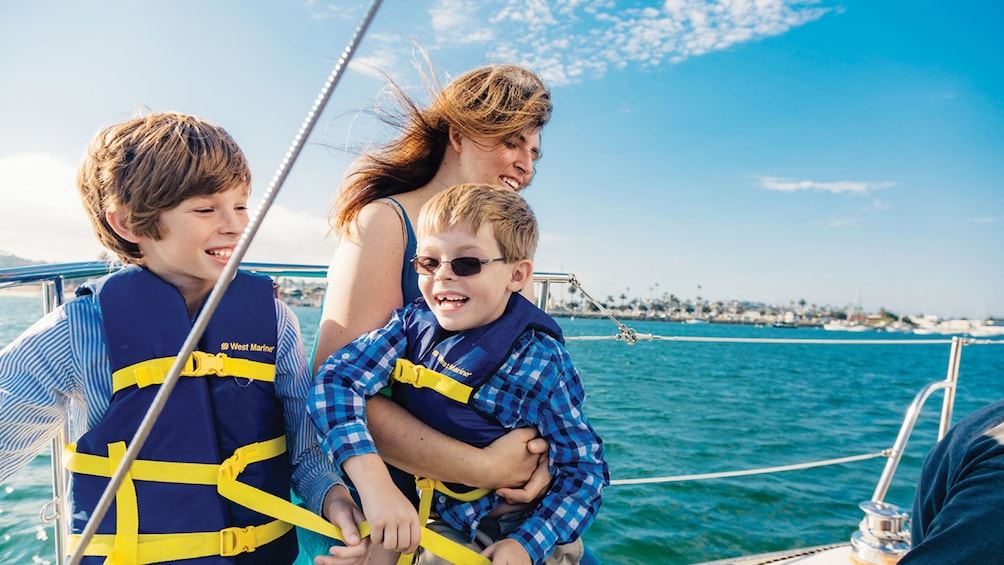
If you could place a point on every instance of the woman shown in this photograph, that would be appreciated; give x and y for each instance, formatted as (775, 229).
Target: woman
(484, 127)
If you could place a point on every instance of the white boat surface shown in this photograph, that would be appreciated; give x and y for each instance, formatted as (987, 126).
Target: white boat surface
(845, 326)
(838, 554)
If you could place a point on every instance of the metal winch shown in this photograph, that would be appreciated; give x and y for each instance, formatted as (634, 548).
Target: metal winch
(883, 536)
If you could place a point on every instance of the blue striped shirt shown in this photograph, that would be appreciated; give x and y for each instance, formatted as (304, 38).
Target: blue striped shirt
(536, 386)
(63, 357)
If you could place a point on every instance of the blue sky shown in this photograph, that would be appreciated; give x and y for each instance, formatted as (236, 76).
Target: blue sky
(832, 151)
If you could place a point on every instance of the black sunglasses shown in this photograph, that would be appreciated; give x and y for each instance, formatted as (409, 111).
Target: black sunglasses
(462, 266)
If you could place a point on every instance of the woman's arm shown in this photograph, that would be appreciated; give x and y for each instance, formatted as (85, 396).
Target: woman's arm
(364, 281)
(409, 444)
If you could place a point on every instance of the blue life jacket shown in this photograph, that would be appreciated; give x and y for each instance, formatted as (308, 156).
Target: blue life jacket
(469, 357)
(204, 421)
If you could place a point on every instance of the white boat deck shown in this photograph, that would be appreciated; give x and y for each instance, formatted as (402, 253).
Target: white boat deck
(839, 554)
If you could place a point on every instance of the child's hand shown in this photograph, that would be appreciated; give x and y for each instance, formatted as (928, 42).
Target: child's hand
(393, 520)
(348, 555)
(341, 510)
(507, 551)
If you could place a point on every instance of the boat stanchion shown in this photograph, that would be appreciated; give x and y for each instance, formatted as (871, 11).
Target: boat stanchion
(883, 537)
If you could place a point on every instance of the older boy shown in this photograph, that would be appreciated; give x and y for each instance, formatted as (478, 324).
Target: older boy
(168, 193)
(472, 358)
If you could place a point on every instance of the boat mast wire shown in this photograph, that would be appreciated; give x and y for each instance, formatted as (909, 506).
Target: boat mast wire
(229, 271)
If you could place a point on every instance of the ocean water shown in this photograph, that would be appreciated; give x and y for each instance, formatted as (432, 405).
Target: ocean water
(670, 408)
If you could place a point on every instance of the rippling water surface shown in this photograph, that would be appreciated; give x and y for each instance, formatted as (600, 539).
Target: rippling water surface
(668, 408)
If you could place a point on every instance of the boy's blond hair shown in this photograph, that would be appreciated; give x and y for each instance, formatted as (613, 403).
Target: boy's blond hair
(147, 165)
(469, 206)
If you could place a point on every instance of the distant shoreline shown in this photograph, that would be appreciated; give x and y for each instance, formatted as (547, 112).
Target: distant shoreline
(684, 320)
(308, 293)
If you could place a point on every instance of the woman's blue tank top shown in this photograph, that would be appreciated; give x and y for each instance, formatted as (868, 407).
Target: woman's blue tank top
(409, 278)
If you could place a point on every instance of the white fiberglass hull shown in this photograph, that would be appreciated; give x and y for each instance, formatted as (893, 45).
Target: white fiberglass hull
(820, 555)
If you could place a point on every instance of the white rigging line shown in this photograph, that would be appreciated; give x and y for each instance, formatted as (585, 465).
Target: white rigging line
(636, 337)
(743, 473)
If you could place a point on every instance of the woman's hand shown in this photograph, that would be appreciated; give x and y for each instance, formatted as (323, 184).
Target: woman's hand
(540, 480)
(404, 441)
(521, 459)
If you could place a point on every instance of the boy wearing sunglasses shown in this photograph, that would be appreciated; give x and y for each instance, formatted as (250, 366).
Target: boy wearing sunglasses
(474, 359)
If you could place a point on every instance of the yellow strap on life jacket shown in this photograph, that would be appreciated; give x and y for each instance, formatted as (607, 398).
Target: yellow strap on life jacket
(127, 547)
(266, 503)
(158, 548)
(127, 511)
(142, 549)
(469, 496)
(442, 546)
(199, 364)
(143, 470)
(171, 471)
(450, 550)
(419, 377)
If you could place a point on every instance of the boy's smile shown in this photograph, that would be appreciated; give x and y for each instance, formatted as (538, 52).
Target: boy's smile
(198, 238)
(466, 302)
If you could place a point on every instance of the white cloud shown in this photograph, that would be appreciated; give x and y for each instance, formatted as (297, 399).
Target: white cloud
(836, 187)
(564, 38)
(450, 15)
(42, 219)
(845, 222)
(286, 236)
(372, 65)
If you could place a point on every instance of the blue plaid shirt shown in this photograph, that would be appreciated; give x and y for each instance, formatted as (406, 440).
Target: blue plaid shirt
(536, 386)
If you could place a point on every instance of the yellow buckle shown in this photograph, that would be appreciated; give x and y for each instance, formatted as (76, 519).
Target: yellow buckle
(404, 372)
(420, 377)
(409, 373)
(228, 469)
(424, 484)
(242, 457)
(206, 364)
(234, 541)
